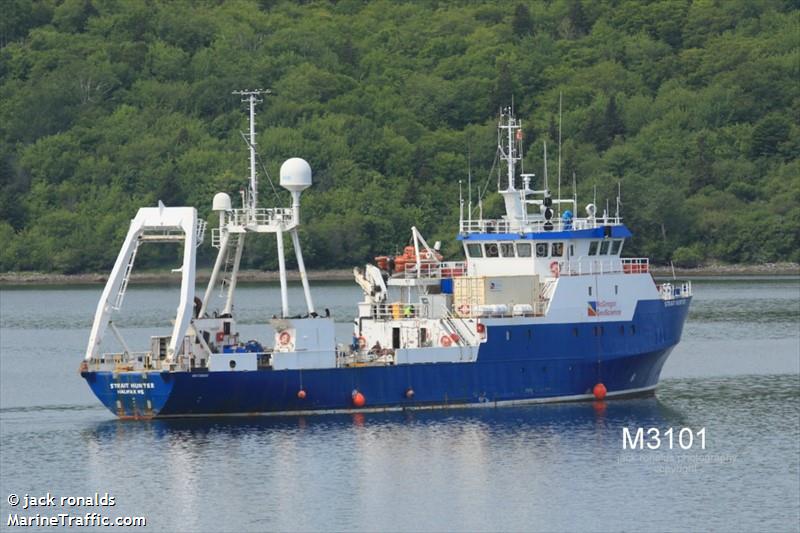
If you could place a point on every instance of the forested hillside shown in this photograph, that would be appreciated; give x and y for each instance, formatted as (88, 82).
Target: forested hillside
(109, 105)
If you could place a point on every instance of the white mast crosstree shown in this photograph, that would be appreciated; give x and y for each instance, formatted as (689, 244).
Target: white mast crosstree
(235, 224)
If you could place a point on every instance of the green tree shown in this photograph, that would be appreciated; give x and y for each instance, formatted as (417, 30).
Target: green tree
(106, 106)
(521, 23)
(768, 134)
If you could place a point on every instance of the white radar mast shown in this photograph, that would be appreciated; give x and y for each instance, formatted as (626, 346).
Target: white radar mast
(234, 224)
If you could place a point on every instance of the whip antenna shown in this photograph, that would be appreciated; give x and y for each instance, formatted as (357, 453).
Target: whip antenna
(559, 151)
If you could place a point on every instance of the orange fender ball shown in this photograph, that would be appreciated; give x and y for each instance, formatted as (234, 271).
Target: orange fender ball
(358, 399)
(599, 391)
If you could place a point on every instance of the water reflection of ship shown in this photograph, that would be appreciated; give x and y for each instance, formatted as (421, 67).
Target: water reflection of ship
(542, 419)
(374, 458)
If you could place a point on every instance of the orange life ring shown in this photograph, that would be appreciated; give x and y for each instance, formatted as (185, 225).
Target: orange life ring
(481, 328)
(463, 309)
(446, 341)
(554, 269)
(220, 336)
(362, 342)
(284, 338)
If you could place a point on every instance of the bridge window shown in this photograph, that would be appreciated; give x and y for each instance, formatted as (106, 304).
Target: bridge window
(474, 250)
(615, 246)
(541, 249)
(507, 249)
(604, 247)
(593, 248)
(557, 249)
(491, 250)
(523, 249)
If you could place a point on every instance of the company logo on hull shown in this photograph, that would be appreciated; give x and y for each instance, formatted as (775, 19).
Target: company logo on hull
(603, 308)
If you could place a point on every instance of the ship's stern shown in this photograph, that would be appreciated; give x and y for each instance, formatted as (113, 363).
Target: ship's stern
(131, 395)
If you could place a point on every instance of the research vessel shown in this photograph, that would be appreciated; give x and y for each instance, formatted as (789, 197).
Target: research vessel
(543, 307)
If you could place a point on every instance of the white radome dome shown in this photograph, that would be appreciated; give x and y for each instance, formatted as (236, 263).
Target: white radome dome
(295, 174)
(221, 202)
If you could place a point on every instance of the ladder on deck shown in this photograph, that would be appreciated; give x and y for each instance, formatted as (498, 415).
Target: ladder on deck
(123, 286)
(230, 258)
(449, 321)
(200, 232)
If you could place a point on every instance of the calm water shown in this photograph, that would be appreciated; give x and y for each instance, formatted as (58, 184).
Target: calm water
(547, 467)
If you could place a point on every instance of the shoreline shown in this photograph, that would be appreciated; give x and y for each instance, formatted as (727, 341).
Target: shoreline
(344, 274)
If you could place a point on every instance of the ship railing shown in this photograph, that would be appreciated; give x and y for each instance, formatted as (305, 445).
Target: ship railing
(467, 310)
(384, 357)
(635, 265)
(535, 226)
(274, 216)
(673, 290)
(436, 270)
(591, 266)
(398, 311)
(130, 361)
(120, 361)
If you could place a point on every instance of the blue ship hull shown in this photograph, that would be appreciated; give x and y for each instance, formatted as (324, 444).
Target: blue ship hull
(517, 364)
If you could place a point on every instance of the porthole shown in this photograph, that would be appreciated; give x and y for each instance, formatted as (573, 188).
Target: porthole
(232, 364)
